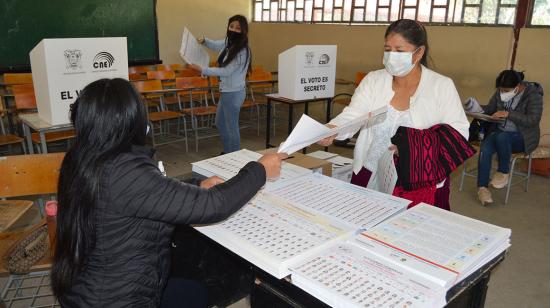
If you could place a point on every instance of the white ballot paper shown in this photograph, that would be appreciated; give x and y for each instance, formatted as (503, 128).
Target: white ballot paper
(191, 51)
(308, 131)
(385, 176)
(472, 105)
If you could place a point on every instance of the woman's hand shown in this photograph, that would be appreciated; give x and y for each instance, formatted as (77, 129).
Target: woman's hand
(393, 148)
(327, 141)
(272, 164)
(211, 182)
(200, 40)
(195, 67)
(500, 114)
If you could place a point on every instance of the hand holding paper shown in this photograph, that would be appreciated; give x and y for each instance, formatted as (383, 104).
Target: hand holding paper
(308, 131)
(191, 51)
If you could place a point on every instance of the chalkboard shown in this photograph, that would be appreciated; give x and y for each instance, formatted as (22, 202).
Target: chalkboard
(24, 23)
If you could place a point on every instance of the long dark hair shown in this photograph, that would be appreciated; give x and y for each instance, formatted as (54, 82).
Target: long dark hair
(509, 79)
(412, 31)
(235, 46)
(109, 118)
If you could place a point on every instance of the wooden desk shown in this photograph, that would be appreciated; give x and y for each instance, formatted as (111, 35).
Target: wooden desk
(33, 121)
(290, 102)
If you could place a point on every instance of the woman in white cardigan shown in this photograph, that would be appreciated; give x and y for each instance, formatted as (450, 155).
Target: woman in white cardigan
(414, 95)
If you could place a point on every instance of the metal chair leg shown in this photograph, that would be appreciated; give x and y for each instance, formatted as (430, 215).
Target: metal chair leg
(509, 186)
(462, 176)
(528, 173)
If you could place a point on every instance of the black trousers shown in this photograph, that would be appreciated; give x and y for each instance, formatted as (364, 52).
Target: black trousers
(184, 293)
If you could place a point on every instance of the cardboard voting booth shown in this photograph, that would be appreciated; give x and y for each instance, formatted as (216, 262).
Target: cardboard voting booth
(307, 72)
(62, 67)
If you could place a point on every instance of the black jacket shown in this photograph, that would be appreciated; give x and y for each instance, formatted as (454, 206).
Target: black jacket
(526, 116)
(135, 217)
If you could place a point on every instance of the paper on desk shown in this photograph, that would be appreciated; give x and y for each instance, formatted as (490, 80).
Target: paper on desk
(308, 131)
(385, 177)
(191, 51)
(472, 105)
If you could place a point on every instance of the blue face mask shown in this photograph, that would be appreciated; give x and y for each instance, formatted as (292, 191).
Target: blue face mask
(399, 64)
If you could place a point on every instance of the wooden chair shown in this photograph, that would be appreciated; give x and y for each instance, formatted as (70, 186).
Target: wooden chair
(159, 120)
(25, 175)
(167, 78)
(194, 103)
(17, 78)
(213, 83)
(139, 69)
(187, 72)
(162, 67)
(260, 83)
(176, 66)
(25, 101)
(359, 77)
(5, 138)
(344, 99)
(136, 77)
(154, 101)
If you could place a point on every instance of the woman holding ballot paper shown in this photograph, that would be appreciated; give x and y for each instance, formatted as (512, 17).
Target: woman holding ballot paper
(425, 125)
(234, 62)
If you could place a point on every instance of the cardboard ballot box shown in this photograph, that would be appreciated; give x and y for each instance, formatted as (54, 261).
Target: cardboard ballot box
(342, 167)
(307, 72)
(62, 67)
(317, 165)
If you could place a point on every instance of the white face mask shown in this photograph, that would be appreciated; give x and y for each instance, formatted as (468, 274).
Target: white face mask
(398, 64)
(507, 96)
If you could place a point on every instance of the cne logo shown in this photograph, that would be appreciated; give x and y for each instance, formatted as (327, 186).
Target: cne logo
(324, 59)
(103, 60)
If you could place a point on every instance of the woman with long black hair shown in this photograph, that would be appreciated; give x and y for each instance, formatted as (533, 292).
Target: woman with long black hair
(234, 62)
(117, 211)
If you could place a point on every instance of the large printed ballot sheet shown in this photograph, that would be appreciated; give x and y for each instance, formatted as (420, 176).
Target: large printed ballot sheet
(191, 51)
(409, 260)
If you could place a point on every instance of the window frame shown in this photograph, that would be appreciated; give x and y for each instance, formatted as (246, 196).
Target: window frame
(449, 6)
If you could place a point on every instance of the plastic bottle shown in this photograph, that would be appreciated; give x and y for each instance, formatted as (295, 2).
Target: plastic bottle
(481, 133)
(51, 219)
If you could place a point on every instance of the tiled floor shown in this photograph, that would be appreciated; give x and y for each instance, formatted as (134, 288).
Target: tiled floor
(520, 281)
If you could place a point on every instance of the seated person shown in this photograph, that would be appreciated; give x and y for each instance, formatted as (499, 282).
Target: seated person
(519, 103)
(117, 211)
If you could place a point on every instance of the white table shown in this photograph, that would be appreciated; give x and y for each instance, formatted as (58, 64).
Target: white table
(34, 122)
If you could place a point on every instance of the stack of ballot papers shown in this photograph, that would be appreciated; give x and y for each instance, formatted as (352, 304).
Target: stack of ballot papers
(350, 246)
(295, 216)
(228, 165)
(409, 260)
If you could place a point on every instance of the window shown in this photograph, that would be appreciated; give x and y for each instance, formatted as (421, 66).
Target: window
(541, 13)
(497, 12)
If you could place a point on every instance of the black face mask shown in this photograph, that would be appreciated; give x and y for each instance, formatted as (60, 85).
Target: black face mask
(233, 36)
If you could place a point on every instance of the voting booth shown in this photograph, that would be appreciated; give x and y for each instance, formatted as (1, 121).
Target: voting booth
(307, 72)
(62, 67)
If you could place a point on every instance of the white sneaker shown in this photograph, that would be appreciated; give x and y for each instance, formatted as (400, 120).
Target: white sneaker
(499, 180)
(484, 195)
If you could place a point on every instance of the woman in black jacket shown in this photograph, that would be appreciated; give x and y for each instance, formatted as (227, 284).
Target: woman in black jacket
(116, 210)
(519, 103)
